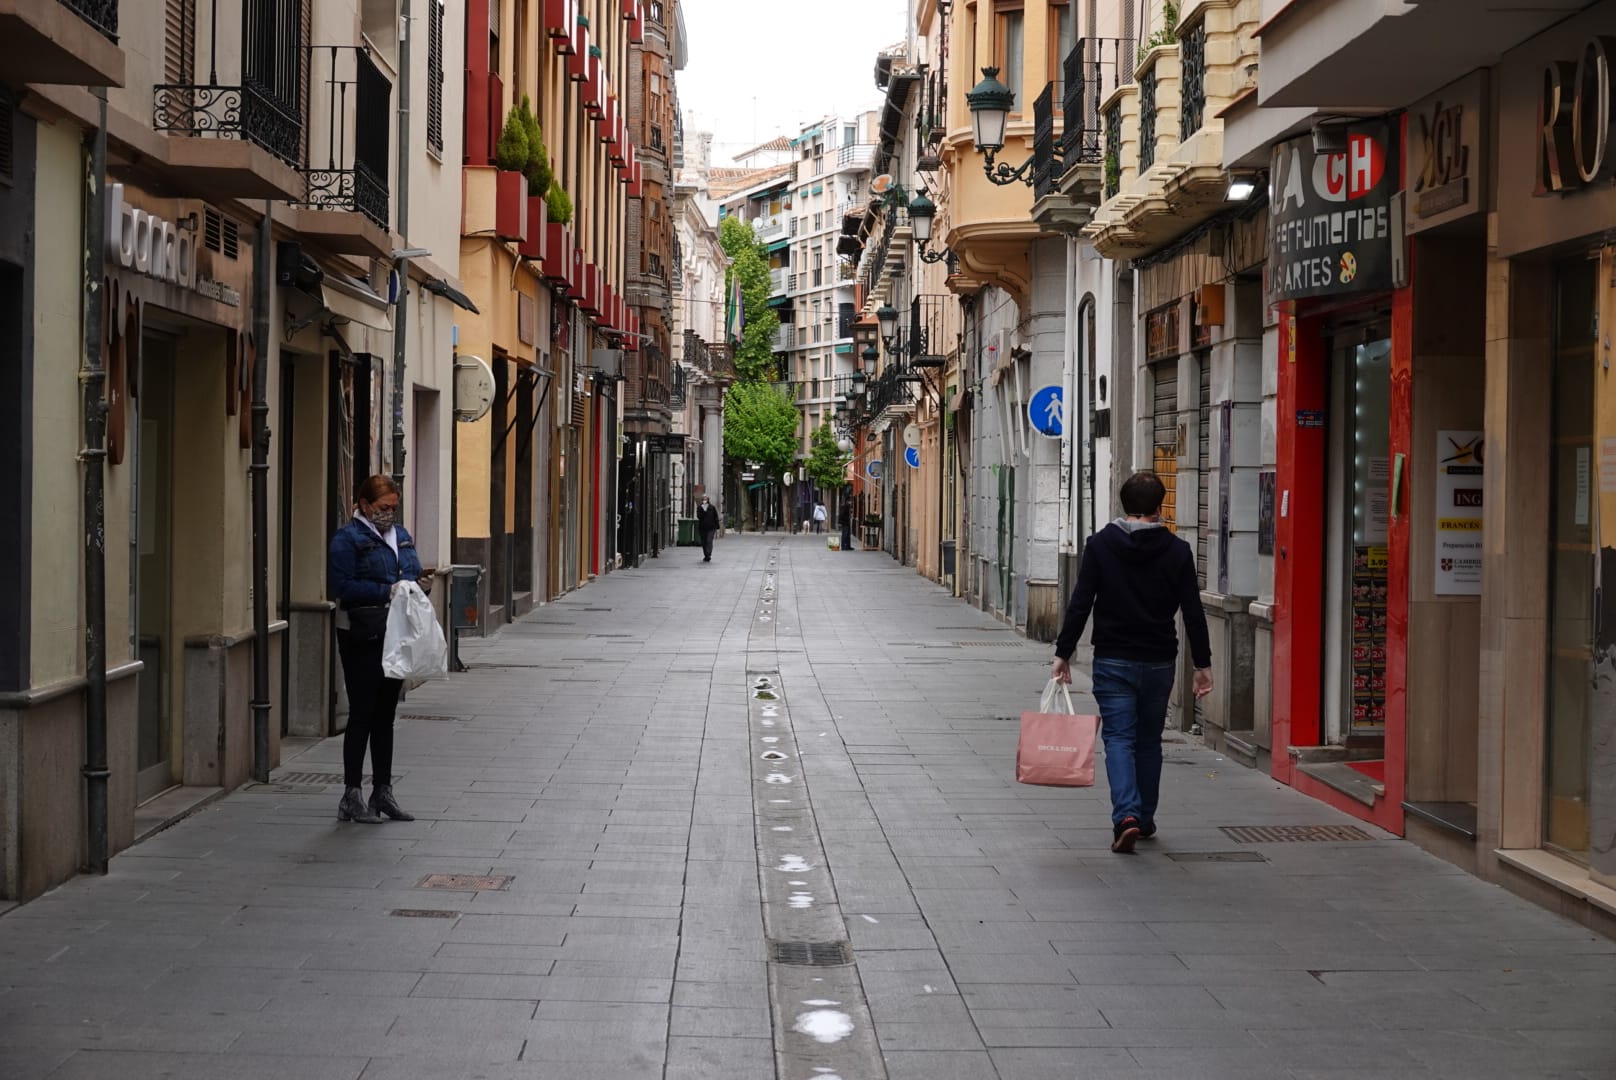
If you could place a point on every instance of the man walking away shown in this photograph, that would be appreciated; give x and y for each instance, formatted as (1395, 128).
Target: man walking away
(1136, 576)
(707, 523)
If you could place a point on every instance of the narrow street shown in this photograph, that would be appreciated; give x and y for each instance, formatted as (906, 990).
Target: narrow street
(638, 797)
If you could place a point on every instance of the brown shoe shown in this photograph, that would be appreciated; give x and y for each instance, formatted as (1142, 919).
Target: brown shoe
(1126, 834)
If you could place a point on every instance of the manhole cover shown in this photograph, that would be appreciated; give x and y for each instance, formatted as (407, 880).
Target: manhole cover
(1276, 834)
(812, 953)
(466, 882)
(424, 716)
(1215, 856)
(424, 913)
(309, 778)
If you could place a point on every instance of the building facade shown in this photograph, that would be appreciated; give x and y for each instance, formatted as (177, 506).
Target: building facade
(265, 328)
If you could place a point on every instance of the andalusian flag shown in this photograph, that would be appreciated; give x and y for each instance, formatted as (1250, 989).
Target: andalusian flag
(735, 314)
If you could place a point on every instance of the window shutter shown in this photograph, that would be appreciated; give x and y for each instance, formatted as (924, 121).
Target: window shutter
(179, 41)
(434, 79)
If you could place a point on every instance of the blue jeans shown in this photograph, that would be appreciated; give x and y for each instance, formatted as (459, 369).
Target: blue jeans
(1133, 696)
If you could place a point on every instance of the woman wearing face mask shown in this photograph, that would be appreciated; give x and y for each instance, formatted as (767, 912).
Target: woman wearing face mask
(369, 557)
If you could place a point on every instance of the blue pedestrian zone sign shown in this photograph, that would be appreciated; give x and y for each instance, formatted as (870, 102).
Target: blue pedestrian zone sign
(912, 456)
(874, 469)
(1047, 411)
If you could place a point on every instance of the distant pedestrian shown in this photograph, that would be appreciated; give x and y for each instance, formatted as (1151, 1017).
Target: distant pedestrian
(1135, 577)
(819, 517)
(369, 557)
(707, 524)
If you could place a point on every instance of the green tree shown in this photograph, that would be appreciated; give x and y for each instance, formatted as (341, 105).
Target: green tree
(749, 259)
(537, 169)
(760, 424)
(511, 153)
(826, 463)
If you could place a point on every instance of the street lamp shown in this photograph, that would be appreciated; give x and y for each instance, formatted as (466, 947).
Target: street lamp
(860, 379)
(922, 213)
(990, 102)
(887, 316)
(872, 356)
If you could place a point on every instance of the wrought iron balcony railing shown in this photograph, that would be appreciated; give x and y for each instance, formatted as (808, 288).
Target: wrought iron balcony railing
(1147, 119)
(266, 106)
(101, 14)
(1091, 72)
(352, 174)
(1046, 158)
(1113, 150)
(1192, 89)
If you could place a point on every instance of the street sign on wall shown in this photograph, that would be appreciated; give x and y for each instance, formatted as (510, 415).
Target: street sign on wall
(912, 457)
(1046, 410)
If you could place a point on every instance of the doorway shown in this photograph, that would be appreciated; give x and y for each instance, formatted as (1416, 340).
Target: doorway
(1573, 563)
(155, 582)
(1357, 516)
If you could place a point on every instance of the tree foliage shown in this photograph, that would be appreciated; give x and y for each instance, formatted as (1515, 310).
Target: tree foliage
(511, 153)
(760, 424)
(749, 259)
(826, 463)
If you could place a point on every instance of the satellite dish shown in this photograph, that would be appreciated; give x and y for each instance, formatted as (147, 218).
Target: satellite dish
(473, 388)
(881, 183)
(911, 435)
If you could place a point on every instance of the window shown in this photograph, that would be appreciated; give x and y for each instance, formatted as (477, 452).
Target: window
(434, 79)
(1061, 43)
(850, 135)
(493, 35)
(1009, 48)
(379, 22)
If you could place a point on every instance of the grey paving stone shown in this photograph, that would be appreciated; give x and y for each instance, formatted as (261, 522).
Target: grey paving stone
(704, 1058)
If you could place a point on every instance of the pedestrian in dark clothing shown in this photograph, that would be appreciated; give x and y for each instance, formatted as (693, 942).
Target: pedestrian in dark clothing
(1135, 577)
(707, 524)
(369, 557)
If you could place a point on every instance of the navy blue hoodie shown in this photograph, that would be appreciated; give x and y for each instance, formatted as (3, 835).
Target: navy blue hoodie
(1134, 579)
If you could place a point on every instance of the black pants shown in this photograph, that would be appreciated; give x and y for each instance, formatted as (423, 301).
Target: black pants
(707, 543)
(372, 703)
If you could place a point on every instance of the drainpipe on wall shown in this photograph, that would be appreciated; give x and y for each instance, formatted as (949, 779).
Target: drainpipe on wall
(93, 376)
(260, 499)
(403, 267)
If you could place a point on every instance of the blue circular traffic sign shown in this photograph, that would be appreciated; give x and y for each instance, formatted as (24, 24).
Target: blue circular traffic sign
(912, 456)
(1047, 411)
(874, 469)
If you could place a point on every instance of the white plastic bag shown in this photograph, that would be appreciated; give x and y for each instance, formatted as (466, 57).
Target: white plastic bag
(414, 647)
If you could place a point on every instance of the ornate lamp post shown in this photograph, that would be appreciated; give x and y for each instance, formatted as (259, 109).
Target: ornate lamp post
(990, 102)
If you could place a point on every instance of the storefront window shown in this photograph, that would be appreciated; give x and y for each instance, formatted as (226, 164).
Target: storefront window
(1371, 489)
(1571, 563)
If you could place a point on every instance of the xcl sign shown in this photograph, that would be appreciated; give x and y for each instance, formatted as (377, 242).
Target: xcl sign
(1574, 120)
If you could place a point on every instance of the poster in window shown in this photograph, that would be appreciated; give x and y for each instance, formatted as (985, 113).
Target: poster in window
(1460, 469)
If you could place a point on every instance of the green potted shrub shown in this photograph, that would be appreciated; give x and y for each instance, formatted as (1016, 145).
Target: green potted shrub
(510, 190)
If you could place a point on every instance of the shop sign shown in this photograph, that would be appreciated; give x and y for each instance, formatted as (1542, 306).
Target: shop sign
(1575, 120)
(1330, 223)
(1447, 160)
(1461, 460)
(155, 247)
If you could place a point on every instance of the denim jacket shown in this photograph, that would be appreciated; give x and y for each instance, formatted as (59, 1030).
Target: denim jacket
(361, 568)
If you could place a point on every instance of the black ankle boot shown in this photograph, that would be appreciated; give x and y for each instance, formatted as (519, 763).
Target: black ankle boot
(382, 802)
(353, 808)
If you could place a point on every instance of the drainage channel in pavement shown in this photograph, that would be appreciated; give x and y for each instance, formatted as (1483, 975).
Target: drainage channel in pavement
(822, 1025)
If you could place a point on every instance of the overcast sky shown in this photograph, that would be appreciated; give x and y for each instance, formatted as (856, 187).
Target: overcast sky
(761, 69)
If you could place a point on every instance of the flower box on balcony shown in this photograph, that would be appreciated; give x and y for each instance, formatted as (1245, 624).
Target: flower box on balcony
(480, 134)
(636, 183)
(607, 123)
(557, 259)
(631, 336)
(575, 280)
(592, 96)
(561, 23)
(510, 205)
(631, 8)
(636, 29)
(591, 296)
(537, 235)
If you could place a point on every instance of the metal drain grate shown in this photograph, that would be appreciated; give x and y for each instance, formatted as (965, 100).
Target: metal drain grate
(1276, 834)
(466, 882)
(988, 644)
(424, 913)
(811, 953)
(1215, 856)
(309, 778)
(426, 716)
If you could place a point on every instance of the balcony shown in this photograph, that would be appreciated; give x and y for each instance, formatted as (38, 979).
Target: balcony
(1163, 134)
(61, 42)
(784, 337)
(780, 281)
(856, 155)
(241, 136)
(770, 228)
(346, 202)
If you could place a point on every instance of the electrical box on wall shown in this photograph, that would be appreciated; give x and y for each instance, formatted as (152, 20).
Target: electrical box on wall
(1209, 300)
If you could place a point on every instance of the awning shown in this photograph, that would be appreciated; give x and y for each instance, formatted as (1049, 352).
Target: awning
(960, 402)
(356, 304)
(451, 294)
(778, 244)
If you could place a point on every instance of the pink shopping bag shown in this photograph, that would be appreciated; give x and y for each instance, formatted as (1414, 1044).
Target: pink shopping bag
(1056, 748)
